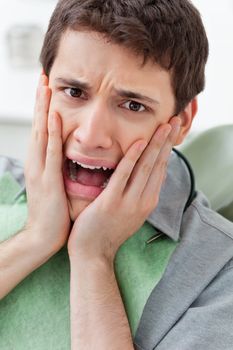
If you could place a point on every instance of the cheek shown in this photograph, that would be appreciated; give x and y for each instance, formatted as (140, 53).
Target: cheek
(67, 116)
(137, 131)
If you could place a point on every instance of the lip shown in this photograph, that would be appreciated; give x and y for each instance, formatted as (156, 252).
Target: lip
(77, 190)
(91, 161)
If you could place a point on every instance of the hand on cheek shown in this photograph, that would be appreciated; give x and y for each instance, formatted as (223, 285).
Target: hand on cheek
(48, 215)
(131, 195)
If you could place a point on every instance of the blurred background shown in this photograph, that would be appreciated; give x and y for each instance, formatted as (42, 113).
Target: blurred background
(22, 27)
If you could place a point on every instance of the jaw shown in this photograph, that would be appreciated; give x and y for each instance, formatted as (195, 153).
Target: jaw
(76, 206)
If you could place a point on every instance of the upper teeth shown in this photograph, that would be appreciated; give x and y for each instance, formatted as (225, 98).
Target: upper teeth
(89, 166)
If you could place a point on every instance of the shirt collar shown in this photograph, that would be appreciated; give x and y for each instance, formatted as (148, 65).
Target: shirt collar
(168, 214)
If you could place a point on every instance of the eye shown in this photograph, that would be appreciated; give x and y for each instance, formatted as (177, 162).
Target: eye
(73, 92)
(134, 106)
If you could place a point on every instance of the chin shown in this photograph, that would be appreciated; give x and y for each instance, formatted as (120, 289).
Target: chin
(76, 206)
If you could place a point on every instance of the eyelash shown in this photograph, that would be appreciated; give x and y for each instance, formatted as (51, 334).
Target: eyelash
(70, 88)
(129, 101)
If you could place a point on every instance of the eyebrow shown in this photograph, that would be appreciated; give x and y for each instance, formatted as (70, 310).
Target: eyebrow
(121, 92)
(136, 95)
(75, 83)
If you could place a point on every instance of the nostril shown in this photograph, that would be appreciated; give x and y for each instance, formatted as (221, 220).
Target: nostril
(93, 136)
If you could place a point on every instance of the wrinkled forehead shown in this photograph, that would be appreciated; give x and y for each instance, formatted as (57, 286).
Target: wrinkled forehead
(91, 56)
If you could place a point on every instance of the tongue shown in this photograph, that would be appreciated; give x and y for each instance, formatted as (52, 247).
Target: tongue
(91, 177)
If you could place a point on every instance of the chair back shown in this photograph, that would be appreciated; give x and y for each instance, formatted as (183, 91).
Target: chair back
(210, 154)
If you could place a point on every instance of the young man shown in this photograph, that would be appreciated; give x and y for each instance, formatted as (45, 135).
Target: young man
(150, 263)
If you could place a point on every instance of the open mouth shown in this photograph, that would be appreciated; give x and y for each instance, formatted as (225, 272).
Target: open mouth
(87, 175)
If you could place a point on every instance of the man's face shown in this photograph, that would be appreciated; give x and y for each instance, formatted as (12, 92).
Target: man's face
(107, 101)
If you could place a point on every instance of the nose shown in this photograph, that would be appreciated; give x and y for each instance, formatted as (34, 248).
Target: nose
(94, 128)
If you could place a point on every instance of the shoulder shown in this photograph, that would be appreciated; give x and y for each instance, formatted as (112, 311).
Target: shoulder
(205, 219)
(206, 238)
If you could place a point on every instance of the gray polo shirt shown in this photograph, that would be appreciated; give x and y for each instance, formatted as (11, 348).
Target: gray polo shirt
(191, 308)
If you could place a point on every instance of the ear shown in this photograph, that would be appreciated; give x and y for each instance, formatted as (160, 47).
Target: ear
(187, 116)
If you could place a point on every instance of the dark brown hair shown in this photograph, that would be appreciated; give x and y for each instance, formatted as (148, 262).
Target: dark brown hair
(168, 32)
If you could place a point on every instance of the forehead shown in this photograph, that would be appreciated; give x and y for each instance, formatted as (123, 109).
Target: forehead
(89, 55)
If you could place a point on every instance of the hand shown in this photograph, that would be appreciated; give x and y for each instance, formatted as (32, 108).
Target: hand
(130, 196)
(48, 214)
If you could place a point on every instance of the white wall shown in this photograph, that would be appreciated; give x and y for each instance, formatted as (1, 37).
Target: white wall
(216, 103)
(18, 86)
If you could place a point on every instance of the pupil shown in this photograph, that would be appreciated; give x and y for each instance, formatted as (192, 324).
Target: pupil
(134, 106)
(75, 92)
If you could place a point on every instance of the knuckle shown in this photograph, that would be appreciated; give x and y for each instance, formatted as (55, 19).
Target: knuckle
(132, 156)
(124, 176)
(39, 134)
(38, 109)
(51, 151)
(52, 134)
(162, 163)
(146, 169)
(157, 143)
(150, 205)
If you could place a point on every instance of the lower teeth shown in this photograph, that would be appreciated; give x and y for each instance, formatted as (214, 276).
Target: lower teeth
(72, 172)
(105, 183)
(73, 177)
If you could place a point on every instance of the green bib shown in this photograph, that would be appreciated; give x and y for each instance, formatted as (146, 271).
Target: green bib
(35, 315)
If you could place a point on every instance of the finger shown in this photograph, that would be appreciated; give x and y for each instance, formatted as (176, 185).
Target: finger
(54, 149)
(39, 133)
(43, 81)
(145, 165)
(150, 200)
(119, 178)
(155, 181)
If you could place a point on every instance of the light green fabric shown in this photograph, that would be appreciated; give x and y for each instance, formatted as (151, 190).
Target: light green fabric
(139, 267)
(12, 214)
(35, 315)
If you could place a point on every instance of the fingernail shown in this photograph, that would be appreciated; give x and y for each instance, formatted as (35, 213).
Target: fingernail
(41, 80)
(176, 127)
(177, 123)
